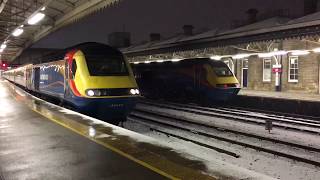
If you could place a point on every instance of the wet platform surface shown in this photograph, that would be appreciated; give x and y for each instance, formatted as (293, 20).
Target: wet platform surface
(39, 140)
(34, 148)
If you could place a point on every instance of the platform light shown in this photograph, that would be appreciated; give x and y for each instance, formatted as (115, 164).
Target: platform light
(147, 62)
(316, 50)
(36, 18)
(264, 55)
(3, 46)
(137, 62)
(240, 56)
(160, 61)
(17, 32)
(175, 60)
(278, 53)
(215, 57)
(43, 8)
(300, 52)
(272, 53)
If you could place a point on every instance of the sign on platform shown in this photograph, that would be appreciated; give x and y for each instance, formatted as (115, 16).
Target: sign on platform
(276, 68)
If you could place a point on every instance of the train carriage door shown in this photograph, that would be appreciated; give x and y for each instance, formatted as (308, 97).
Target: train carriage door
(29, 78)
(244, 78)
(70, 73)
(66, 79)
(36, 78)
(197, 76)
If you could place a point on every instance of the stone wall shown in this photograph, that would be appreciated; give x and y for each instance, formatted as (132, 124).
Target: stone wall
(308, 81)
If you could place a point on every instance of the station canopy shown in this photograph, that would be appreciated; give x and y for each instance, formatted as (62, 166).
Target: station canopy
(23, 22)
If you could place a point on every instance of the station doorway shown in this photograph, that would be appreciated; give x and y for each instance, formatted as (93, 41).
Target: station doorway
(244, 74)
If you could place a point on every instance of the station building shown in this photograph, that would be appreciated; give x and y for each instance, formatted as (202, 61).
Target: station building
(276, 54)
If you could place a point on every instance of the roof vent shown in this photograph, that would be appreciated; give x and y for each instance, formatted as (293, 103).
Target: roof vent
(187, 30)
(155, 37)
(252, 15)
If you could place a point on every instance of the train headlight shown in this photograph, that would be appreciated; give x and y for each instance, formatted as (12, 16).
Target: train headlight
(93, 92)
(90, 92)
(97, 92)
(134, 91)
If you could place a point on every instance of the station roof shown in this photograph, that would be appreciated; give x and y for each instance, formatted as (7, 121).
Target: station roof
(58, 13)
(269, 29)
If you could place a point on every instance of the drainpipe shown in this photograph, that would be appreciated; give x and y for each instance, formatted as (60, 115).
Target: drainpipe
(277, 69)
(278, 86)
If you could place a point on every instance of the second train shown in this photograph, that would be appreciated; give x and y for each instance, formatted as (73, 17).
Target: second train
(200, 80)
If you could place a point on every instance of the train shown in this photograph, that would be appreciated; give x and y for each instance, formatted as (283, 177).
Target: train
(91, 78)
(200, 80)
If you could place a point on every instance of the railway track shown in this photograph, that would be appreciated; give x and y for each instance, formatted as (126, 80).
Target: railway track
(270, 113)
(289, 123)
(162, 122)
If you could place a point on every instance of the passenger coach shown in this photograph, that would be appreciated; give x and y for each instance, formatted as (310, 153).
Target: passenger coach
(92, 78)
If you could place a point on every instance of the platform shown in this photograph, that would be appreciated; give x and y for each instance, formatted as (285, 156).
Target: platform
(281, 95)
(39, 140)
(283, 102)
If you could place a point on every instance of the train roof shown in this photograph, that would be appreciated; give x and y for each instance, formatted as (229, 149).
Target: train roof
(94, 47)
(175, 62)
(87, 48)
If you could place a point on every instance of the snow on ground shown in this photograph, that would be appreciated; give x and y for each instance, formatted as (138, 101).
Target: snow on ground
(252, 160)
(216, 162)
(253, 141)
(283, 122)
(276, 133)
(277, 167)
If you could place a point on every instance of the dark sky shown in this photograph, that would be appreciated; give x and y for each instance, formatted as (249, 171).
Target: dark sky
(141, 17)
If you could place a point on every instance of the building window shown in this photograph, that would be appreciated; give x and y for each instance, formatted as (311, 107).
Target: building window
(245, 76)
(230, 64)
(266, 70)
(293, 69)
(245, 63)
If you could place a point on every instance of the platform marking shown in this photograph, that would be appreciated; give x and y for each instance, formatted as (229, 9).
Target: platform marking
(111, 148)
(142, 163)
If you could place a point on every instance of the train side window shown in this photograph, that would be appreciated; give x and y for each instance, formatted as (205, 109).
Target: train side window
(73, 68)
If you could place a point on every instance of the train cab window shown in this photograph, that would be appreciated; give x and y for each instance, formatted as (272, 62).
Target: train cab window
(221, 69)
(73, 68)
(106, 66)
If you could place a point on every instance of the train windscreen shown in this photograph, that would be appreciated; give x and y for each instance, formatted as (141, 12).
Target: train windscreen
(221, 69)
(106, 66)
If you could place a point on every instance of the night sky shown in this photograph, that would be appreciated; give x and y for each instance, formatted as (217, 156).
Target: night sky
(141, 17)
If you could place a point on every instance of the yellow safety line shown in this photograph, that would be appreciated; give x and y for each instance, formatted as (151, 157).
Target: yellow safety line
(108, 146)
